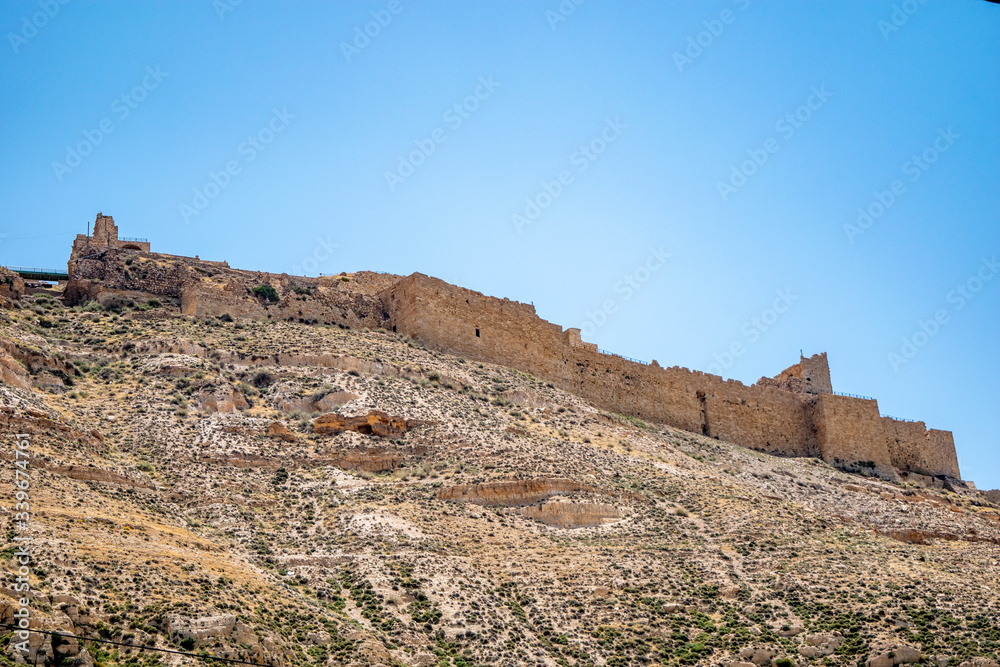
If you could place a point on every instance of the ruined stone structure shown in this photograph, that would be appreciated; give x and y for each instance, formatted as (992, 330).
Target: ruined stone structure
(105, 236)
(795, 413)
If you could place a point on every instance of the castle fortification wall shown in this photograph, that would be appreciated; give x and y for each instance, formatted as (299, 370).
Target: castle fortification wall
(914, 448)
(794, 414)
(850, 434)
(466, 323)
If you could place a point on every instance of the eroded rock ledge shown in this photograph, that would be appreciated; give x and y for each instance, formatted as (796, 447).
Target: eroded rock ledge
(514, 492)
(540, 499)
(375, 422)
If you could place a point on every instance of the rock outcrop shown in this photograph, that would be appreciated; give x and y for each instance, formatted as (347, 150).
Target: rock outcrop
(757, 655)
(919, 536)
(375, 422)
(279, 430)
(220, 397)
(373, 459)
(24, 359)
(897, 655)
(94, 474)
(316, 403)
(11, 371)
(820, 644)
(564, 514)
(225, 626)
(36, 422)
(512, 493)
(540, 499)
(11, 288)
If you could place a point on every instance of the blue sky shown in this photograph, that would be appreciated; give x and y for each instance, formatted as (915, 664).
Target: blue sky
(681, 180)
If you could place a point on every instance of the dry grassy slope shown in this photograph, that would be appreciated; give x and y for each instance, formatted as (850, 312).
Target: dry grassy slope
(721, 551)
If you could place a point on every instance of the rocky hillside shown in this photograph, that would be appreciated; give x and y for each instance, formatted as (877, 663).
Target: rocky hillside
(312, 495)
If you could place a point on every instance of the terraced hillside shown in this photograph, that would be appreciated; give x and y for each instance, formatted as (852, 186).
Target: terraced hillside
(310, 495)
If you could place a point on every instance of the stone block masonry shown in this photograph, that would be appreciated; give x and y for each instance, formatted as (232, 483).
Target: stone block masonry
(795, 413)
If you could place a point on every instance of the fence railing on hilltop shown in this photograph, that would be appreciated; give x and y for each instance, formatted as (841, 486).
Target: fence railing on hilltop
(866, 398)
(36, 273)
(899, 420)
(622, 356)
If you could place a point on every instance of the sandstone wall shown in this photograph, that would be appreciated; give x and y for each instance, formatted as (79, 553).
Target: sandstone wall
(794, 414)
(939, 454)
(761, 418)
(500, 331)
(914, 448)
(851, 434)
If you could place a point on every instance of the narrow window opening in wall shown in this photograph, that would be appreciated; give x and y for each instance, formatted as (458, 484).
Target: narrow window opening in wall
(705, 430)
(393, 328)
(477, 333)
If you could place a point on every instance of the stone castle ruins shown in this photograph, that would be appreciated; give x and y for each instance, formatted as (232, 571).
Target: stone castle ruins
(795, 413)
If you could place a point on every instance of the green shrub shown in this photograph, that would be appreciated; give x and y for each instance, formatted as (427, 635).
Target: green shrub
(266, 292)
(262, 379)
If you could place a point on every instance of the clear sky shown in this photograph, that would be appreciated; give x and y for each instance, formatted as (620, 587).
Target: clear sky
(716, 185)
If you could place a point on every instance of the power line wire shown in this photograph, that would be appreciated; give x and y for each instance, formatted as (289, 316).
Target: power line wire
(28, 238)
(144, 648)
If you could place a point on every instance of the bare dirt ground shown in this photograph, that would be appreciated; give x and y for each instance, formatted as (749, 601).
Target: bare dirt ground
(181, 499)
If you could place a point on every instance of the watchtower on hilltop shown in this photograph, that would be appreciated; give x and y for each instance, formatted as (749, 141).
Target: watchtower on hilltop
(105, 237)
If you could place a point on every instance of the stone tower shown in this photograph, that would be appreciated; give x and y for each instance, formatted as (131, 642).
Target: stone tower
(105, 232)
(104, 238)
(810, 376)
